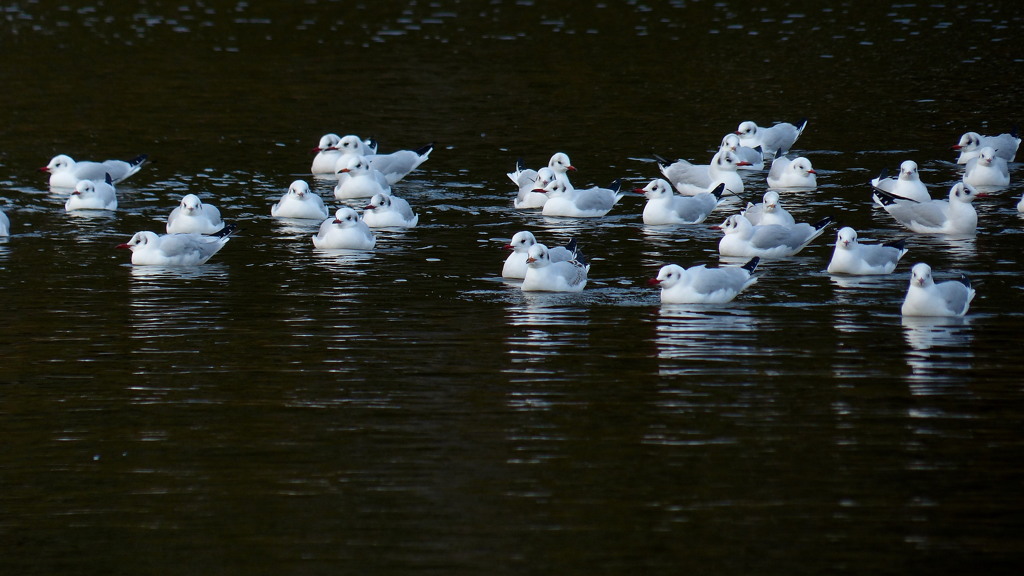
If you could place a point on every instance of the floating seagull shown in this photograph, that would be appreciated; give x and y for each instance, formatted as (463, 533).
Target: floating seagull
(65, 172)
(515, 265)
(987, 170)
(852, 257)
(692, 179)
(529, 180)
(575, 203)
(5, 224)
(393, 166)
(346, 231)
(300, 202)
(926, 298)
(767, 241)
(753, 156)
(776, 139)
(544, 275)
(907, 185)
(971, 143)
(387, 211)
(768, 211)
(664, 206)
(954, 216)
(192, 216)
(332, 147)
(702, 285)
(357, 179)
(796, 174)
(92, 195)
(152, 249)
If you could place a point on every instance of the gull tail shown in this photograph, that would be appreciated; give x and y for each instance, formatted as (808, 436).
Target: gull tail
(821, 224)
(751, 265)
(228, 229)
(139, 160)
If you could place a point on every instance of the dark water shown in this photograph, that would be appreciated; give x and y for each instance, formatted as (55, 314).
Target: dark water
(282, 410)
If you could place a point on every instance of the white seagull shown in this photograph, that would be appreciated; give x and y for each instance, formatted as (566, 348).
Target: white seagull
(776, 139)
(5, 224)
(971, 143)
(152, 249)
(395, 165)
(664, 206)
(387, 211)
(575, 203)
(192, 216)
(300, 202)
(702, 285)
(692, 179)
(907, 185)
(987, 170)
(529, 180)
(743, 239)
(544, 275)
(332, 147)
(795, 174)
(357, 179)
(92, 195)
(752, 156)
(926, 298)
(65, 172)
(515, 265)
(346, 231)
(954, 216)
(854, 258)
(768, 211)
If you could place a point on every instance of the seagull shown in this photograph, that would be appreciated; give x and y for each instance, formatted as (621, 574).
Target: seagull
(796, 174)
(65, 172)
(192, 216)
(345, 231)
(702, 285)
(386, 211)
(768, 211)
(926, 298)
(779, 137)
(529, 180)
(743, 239)
(907, 185)
(515, 265)
(299, 202)
(851, 257)
(332, 146)
(953, 216)
(575, 203)
(5, 224)
(692, 179)
(393, 166)
(971, 143)
(357, 179)
(92, 195)
(543, 275)
(665, 207)
(987, 170)
(152, 249)
(753, 156)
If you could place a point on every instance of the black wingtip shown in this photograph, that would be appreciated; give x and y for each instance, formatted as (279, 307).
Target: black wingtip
(719, 190)
(616, 185)
(884, 198)
(963, 279)
(228, 229)
(751, 265)
(139, 159)
(520, 165)
(660, 160)
(577, 254)
(822, 223)
(883, 174)
(898, 244)
(801, 124)
(426, 149)
(108, 179)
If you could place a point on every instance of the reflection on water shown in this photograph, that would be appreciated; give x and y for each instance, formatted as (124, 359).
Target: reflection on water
(939, 350)
(707, 341)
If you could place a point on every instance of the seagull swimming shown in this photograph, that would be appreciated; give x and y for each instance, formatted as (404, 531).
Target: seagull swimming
(777, 139)
(953, 216)
(332, 147)
(300, 202)
(702, 285)
(387, 211)
(66, 173)
(852, 257)
(529, 180)
(971, 143)
(987, 170)
(768, 211)
(795, 174)
(345, 231)
(664, 206)
(907, 185)
(753, 157)
(393, 166)
(515, 265)
(92, 195)
(926, 298)
(692, 179)
(152, 249)
(544, 275)
(575, 203)
(767, 241)
(192, 216)
(358, 179)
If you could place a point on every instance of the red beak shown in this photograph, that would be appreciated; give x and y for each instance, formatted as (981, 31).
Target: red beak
(44, 169)
(573, 168)
(956, 146)
(653, 282)
(743, 163)
(370, 207)
(508, 247)
(123, 247)
(811, 172)
(639, 191)
(716, 227)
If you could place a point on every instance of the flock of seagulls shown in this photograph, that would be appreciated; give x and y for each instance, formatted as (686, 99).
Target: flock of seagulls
(685, 194)
(689, 193)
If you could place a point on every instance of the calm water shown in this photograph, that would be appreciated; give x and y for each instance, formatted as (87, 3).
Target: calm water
(283, 410)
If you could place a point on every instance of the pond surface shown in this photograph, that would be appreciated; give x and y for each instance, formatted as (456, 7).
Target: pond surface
(285, 410)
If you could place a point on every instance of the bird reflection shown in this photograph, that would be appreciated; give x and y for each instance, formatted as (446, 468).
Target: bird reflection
(937, 347)
(696, 339)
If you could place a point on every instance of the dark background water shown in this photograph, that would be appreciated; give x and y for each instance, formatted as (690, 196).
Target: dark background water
(288, 411)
